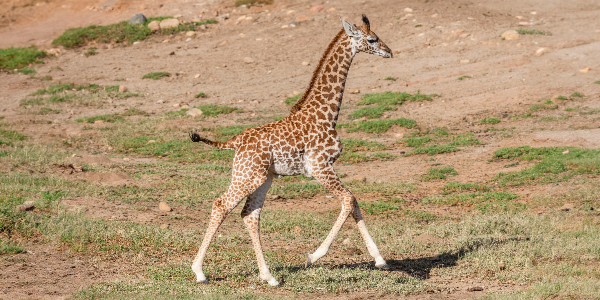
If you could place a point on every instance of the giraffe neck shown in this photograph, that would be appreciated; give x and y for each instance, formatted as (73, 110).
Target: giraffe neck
(323, 98)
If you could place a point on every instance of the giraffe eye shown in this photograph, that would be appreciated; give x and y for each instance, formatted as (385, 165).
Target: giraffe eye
(371, 41)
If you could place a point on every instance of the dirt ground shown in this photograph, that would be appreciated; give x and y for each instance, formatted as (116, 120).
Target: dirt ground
(456, 38)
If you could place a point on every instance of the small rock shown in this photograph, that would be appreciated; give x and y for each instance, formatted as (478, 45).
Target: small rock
(138, 19)
(164, 226)
(408, 9)
(26, 206)
(274, 197)
(359, 178)
(194, 112)
(475, 289)
(520, 17)
(184, 105)
(297, 229)
(197, 76)
(151, 142)
(248, 60)
(160, 101)
(54, 51)
(533, 13)
(464, 61)
(165, 41)
(565, 152)
(172, 53)
(98, 121)
(302, 18)
(502, 266)
(169, 23)
(331, 9)
(434, 15)
(122, 89)
(566, 207)
(584, 70)
(346, 241)
(510, 35)
(176, 105)
(190, 33)
(188, 39)
(316, 9)
(305, 63)
(540, 51)
(203, 27)
(353, 251)
(126, 159)
(164, 207)
(222, 43)
(154, 25)
(355, 91)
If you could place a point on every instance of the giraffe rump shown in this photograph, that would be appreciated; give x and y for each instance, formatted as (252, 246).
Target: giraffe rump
(229, 145)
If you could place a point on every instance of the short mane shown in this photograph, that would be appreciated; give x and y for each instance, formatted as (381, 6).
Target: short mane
(316, 73)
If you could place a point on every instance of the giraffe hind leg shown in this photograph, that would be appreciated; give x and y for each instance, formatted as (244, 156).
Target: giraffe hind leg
(251, 216)
(221, 208)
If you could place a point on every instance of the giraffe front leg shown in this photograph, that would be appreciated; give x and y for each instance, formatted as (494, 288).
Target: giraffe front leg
(251, 217)
(371, 246)
(327, 177)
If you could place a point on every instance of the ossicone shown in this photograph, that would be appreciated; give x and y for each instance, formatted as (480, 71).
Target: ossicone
(366, 21)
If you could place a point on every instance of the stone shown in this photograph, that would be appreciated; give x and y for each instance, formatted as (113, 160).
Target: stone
(164, 207)
(154, 25)
(305, 63)
(297, 229)
(540, 51)
(331, 9)
(54, 51)
(359, 178)
(566, 207)
(122, 89)
(355, 91)
(302, 18)
(464, 61)
(316, 9)
(434, 15)
(584, 70)
(169, 23)
(408, 9)
(26, 206)
(197, 76)
(346, 241)
(475, 289)
(510, 35)
(502, 266)
(160, 101)
(164, 226)
(98, 121)
(565, 152)
(274, 197)
(190, 33)
(151, 142)
(138, 19)
(188, 39)
(176, 105)
(194, 112)
(248, 60)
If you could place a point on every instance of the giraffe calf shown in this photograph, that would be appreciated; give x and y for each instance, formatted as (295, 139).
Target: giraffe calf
(305, 142)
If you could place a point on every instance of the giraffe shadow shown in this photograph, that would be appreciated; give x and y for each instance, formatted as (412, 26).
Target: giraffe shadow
(421, 268)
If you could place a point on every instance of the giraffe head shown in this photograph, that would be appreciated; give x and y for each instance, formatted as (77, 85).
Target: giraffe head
(365, 40)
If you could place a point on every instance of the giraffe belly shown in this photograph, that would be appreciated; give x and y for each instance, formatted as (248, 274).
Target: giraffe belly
(289, 166)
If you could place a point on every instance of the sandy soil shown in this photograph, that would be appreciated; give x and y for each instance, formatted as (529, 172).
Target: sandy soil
(456, 38)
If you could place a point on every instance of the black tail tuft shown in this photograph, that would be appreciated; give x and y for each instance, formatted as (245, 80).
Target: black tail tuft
(195, 137)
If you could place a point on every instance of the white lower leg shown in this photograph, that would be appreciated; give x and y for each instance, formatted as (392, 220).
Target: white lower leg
(197, 268)
(322, 250)
(371, 246)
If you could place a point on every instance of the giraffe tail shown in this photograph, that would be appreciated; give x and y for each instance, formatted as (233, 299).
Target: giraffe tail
(229, 145)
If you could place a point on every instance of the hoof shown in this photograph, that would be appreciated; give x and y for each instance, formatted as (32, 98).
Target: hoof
(273, 282)
(205, 281)
(308, 260)
(383, 267)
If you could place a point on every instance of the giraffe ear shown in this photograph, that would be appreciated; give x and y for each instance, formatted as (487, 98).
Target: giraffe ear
(350, 29)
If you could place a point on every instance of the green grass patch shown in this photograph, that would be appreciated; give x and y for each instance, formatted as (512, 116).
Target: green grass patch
(378, 126)
(354, 145)
(19, 58)
(370, 112)
(111, 118)
(471, 198)
(34, 101)
(390, 78)
(26, 71)
(377, 207)
(416, 141)
(156, 75)
(577, 95)
(439, 173)
(562, 98)
(554, 164)
(464, 77)
(134, 112)
(457, 187)
(434, 149)
(391, 98)
(48, 111)
(542, 106)
(211, 110)
(292, 100)
(532, 31)
(8, 247)
(200, 95)
(490, 121)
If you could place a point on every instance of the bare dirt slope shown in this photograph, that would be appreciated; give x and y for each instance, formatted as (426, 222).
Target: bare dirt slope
(454, 39)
